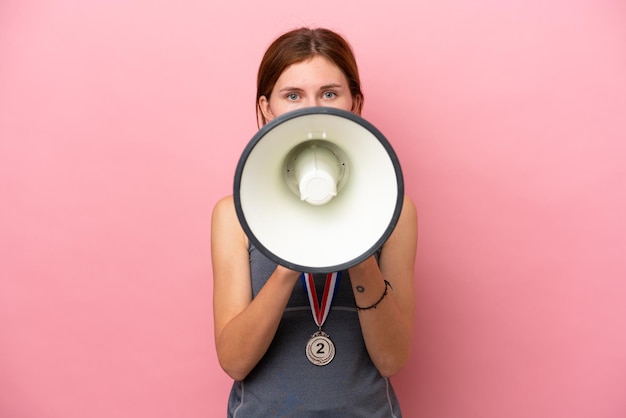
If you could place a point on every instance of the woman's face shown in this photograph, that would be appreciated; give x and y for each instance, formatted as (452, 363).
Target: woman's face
(315, 82)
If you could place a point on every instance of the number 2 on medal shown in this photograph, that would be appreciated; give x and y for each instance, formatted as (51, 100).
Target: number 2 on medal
(321, 348)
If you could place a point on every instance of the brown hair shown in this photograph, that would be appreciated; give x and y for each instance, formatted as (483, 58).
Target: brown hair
(300, 45)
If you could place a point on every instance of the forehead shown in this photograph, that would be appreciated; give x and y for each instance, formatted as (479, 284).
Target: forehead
(316, 71)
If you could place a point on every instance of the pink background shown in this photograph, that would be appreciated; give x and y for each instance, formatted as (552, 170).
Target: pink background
(120, 126)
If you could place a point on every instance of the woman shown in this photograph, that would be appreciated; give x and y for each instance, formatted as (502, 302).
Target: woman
(262, 312)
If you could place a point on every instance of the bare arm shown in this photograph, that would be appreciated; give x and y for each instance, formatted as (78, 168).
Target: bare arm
(244, 327)
(388, 328)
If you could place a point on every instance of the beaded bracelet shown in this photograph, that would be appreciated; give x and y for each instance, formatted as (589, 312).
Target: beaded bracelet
(387, 286)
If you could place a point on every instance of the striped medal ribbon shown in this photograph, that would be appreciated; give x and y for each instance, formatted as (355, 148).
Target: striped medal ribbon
(320, 350)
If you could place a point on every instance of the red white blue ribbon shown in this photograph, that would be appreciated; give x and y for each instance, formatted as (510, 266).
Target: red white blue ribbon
(321, 308)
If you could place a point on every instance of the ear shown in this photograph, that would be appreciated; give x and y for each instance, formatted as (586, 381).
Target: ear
(266, 110)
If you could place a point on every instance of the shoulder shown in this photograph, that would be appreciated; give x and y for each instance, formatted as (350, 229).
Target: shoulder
(224, 210)
(224, 220)
(408, 205)
(408, 215)
(223, 204)
(402, 243)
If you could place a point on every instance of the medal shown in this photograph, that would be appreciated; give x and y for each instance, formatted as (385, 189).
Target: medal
(320, 349)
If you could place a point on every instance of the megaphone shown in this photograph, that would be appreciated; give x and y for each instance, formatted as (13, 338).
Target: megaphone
(318, 189)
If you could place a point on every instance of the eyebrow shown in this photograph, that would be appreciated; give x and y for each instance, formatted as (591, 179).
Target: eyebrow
(324, 87)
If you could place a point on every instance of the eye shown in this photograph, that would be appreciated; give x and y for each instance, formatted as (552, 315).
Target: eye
(293, 97)
(329, 95)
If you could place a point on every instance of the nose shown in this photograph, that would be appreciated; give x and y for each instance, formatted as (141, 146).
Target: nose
(313, 102)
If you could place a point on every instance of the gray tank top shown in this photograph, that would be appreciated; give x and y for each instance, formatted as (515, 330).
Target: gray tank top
(285, 384)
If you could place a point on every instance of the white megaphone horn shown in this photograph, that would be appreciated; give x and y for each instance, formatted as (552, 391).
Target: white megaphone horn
(318, 189)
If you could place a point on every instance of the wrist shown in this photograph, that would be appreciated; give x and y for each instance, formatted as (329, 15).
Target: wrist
(375, 304)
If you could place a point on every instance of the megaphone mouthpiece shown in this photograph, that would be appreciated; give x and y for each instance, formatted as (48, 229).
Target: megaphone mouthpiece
(317, 174)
